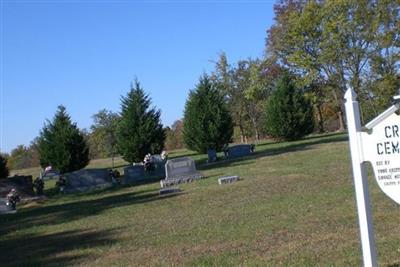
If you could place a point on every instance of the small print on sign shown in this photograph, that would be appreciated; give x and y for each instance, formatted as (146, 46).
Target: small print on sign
(382, 149)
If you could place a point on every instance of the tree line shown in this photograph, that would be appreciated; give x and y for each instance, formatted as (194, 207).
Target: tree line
(313, 52)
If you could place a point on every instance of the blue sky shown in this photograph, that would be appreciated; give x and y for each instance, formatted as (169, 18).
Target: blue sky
(85, 54)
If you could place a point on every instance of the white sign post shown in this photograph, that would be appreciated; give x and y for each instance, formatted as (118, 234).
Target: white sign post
(382, 148)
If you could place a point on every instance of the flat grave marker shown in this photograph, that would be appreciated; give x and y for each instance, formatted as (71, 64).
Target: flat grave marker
(228, 179)
(169, 190)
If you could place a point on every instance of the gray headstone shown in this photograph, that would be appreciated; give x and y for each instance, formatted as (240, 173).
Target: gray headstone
(87, 179)
(133, 174)
(228, 179)
(180, 170)
(239, 150)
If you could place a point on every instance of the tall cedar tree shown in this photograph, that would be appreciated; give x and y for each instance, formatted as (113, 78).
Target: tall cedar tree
(3, 167)
(289, 115)
(139, 130)
(207, 122)
(62, 145)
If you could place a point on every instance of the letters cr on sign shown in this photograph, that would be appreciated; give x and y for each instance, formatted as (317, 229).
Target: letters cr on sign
(381, 147)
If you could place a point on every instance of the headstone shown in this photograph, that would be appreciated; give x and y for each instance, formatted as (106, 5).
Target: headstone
(180, 170)
(133, 174)
(228, 179)
(159, 164)
(87, 179)
(169, 190)
(238, 151)
(212, 155)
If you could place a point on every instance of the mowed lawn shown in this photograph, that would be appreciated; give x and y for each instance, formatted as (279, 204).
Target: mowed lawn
(294, 206)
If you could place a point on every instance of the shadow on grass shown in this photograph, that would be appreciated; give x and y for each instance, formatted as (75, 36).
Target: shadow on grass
(66, 212)
(269, 149)
(45, 249)
(394, 265)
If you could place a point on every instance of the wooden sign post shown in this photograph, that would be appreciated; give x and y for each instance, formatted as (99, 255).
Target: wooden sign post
(382, 148)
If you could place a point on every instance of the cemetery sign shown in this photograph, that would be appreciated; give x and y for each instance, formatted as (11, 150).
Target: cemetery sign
(381, 147)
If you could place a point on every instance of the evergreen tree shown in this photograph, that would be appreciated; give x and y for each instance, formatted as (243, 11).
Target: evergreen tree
(3, 167)
(207, 122)
(62, 145)
(139, 130)
(289, 115)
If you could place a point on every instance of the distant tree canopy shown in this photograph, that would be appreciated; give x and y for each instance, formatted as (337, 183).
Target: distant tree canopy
(289, 115)
(102, 137)
(24, 157)
(245, 88)
(139, 129)
(207, 122)
(174, 135)
(62, 145)
(3, 167)
(333, 44)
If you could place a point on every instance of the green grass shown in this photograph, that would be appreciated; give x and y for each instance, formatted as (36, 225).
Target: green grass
(293, 207)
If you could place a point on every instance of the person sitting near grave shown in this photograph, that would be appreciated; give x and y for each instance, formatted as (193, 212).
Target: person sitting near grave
(38, 184)
(13, 198)
(164, 155)
(148, 164)
(61, 183)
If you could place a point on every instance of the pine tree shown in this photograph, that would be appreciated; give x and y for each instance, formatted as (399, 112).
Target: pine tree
(139, 130)
(62, 145)
(207, 121)
(289, 115)
(3, 167)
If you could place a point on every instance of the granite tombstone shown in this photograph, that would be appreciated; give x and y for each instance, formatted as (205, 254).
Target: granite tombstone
(87, 179)
(180, 170)
(239, 151)
(133, 174)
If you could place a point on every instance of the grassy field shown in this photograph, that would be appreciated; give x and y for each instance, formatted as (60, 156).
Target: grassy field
(293, 207)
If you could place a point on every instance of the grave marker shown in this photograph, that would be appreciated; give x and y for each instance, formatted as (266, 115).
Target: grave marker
(212, 155)
(87, 179)
(228, 179)
(239, 151)
(180, 170)
(133, 174)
